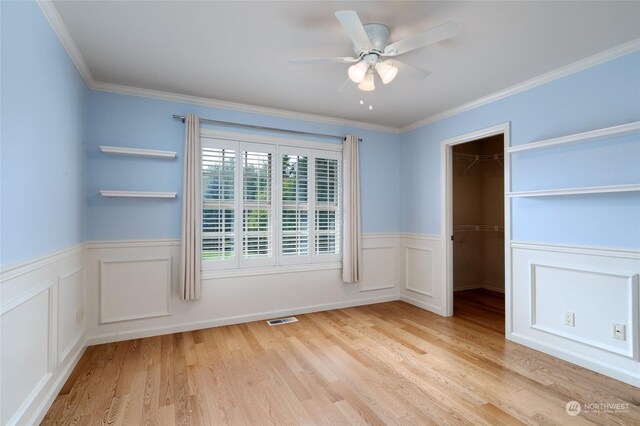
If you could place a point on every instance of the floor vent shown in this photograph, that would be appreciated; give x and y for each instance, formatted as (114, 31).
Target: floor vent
(282, 321)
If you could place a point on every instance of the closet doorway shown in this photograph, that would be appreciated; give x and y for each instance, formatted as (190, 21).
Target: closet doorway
(478, 227)
(475, 220)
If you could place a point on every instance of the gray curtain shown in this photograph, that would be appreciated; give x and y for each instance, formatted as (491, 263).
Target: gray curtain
(352, 251)
(190, 284)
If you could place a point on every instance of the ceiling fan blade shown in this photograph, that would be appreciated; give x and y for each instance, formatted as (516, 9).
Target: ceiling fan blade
(343, 60)
(434, 35)
(354, 28)
(344, 84)
(413, 71)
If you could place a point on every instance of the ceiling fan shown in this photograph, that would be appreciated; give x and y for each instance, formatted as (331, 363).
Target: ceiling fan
(370, 43)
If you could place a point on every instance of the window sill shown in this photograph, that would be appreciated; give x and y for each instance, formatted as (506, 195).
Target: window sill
(250, 272)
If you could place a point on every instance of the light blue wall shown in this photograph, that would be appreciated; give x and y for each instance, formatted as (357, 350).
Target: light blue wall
(44, 197)
(131, 121)
(42, 157)
(601, 96)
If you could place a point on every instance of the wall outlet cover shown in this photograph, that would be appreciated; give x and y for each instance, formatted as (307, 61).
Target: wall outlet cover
(619, 331)
(570, 319)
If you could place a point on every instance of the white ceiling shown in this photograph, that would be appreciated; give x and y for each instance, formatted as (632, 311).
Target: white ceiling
(239, 52)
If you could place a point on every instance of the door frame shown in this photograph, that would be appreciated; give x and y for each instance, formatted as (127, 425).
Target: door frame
(446, 215)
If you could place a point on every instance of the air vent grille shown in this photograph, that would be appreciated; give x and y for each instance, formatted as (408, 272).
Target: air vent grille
(280, 321)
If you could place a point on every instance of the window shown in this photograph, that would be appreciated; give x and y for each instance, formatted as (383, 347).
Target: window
(266, 204)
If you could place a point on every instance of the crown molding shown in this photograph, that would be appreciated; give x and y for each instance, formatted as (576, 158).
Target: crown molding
(53, 17)
(599, 58)
(214, 103)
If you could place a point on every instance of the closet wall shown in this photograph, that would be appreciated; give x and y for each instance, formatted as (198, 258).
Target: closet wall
(478, 214)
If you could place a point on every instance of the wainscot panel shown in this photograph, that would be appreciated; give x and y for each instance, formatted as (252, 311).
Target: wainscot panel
(43, 332)
(566, 301)
(128, 281)
(421, 269)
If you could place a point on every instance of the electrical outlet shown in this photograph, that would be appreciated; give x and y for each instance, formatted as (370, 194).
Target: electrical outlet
(619, 331)
(80, 315)
(570, 319)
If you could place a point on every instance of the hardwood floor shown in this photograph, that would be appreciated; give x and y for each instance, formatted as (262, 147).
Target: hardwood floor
(389, 363)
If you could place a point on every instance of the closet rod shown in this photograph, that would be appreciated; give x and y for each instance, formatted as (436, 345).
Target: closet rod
(270, 129)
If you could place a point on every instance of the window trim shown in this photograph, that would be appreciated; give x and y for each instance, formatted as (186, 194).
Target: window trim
(277, 263)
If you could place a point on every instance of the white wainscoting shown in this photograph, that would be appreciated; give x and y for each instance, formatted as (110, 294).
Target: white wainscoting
(43, 332)
(421, 272)
(45, 300)
(134, 289)
(600, 287)
(227, 299)
(380, 260)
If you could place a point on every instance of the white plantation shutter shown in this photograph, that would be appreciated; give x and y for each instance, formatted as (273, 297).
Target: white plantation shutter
(265, 204)
(328, 203)
(295, 207)
(257, 211)
(219, 205)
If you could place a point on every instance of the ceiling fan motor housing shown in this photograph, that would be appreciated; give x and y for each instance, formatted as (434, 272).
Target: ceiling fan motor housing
(378, 35)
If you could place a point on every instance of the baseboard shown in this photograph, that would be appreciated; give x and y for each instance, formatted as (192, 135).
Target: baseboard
(198, 325)
(581, 360)
(420, 304)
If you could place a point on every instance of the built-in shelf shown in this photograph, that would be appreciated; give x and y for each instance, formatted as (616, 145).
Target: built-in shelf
(576, 191)
(118, 150)
(137, 194)
(615, 131)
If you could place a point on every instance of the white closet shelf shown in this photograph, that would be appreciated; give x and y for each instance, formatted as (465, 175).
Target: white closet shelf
(576, 191)
(622, 130)
(137, 194)
(137, 152)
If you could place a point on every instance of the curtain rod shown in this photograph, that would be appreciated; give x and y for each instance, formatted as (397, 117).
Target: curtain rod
(251, 126)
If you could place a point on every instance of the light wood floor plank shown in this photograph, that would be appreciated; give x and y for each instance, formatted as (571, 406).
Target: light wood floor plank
(389, 363)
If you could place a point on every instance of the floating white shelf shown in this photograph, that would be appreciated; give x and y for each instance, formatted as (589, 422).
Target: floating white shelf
(576, 191)
(622, 130)
(137, 152)
(137, 194)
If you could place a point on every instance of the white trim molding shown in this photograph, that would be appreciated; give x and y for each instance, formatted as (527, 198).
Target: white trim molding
(218, 322)
(10, 272)
(234, 106)
(63, 352)
(446, 215)
(54, 19)
(407, 266)
(139, 284)
(33, 296)
(630, 280)
(225, 298)
(597, 286)
(583, 64)
(10, 305)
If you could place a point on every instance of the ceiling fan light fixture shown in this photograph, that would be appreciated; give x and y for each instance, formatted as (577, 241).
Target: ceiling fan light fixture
(358, 72)
(367, 84)
(387, 71)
